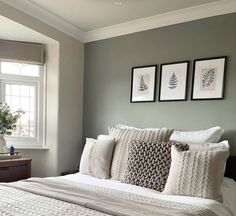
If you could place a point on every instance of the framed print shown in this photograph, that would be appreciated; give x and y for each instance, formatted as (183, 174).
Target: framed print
(143, 84)
(208, 78)
(173, 81)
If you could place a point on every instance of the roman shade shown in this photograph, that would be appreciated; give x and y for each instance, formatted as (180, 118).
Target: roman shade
(31, 53)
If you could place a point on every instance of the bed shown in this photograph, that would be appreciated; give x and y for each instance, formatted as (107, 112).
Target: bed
(81, 195)
(102, 187)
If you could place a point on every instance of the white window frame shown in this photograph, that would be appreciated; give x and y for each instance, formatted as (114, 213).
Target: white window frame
(40, 83)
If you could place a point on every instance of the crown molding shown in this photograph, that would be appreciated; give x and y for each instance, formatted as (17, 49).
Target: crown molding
(47, 17)
(166, 19)
(175, 17)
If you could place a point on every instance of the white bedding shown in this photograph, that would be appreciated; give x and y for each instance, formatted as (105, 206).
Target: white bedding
(228, 190)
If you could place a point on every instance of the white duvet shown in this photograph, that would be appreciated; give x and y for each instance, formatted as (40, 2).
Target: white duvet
(228, 191)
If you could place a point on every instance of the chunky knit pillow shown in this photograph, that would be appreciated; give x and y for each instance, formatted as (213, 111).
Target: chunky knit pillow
(123, 136)
(149, 163)
(196, 173)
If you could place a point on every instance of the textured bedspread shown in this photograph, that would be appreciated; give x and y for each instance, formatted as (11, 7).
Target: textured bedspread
(37, 196)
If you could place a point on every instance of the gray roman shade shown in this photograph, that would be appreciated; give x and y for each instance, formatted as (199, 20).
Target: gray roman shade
(32, 53)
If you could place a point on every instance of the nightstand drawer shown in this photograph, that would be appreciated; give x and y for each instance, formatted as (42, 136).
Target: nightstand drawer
(14, 170)
(8, 174)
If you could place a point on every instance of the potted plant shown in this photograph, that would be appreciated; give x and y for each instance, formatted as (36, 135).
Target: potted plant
(8, 120)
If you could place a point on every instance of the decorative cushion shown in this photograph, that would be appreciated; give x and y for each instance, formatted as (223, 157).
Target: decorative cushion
(96, 158)
(149, 163)
(123, 137)
(196, 173)
(211, 135)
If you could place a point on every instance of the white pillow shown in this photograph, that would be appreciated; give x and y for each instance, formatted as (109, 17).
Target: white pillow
(135, 128)
(96, 158)
(211, 135)
(223, 145)
(196, 173)
(104, 137)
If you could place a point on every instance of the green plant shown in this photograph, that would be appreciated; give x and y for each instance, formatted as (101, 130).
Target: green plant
(8, 118)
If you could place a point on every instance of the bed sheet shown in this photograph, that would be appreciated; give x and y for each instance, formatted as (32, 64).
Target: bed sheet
(228, 190)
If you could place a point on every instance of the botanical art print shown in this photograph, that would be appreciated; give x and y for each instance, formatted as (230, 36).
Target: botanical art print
(173, 81)
(208, 78)
(143, 84)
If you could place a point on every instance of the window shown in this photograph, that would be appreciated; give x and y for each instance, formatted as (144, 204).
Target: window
(22, 86)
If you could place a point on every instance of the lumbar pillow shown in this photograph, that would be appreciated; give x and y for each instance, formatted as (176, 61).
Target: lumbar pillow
(96, 157)
(123, 137)
(211, 135)
(196, 173)
(149, 163)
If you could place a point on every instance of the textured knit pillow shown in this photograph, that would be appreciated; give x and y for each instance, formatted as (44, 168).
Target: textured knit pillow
(123, 137)
(96, 157)
(198, 137)
(196, 173)
(149, 163)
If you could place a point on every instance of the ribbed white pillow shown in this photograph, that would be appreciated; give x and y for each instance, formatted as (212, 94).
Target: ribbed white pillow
(211, 135)
(196, 173)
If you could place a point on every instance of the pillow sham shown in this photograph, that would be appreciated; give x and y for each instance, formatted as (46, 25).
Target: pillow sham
(196, 173)
(123, 137)
(211, 135)
(96, 158)
(149, 163)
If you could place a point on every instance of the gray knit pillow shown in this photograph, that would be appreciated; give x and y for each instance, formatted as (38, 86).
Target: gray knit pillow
(123, 136)
(149, 163)
(196, 173)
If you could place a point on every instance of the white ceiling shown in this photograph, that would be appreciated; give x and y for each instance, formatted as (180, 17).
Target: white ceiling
(91, 20)
(93, 14)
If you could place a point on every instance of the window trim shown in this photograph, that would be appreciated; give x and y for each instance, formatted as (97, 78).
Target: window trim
(40, 83)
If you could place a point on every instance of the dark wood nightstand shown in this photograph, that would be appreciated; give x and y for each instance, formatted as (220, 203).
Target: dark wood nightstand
(15, 169)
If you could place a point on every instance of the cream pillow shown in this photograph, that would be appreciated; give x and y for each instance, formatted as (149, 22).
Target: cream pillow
(196, 173)
(211, 135)
(96, 158)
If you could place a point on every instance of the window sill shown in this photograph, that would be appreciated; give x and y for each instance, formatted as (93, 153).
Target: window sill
(30, 148)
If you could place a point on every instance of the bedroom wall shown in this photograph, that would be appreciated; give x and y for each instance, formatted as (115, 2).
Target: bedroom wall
(65, 102)
(107, 78)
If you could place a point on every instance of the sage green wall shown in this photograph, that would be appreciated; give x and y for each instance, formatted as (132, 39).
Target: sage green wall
(107, 78)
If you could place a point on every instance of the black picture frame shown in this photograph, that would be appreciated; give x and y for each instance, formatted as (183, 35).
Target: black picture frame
(218, 67)
(185, 70)
(150, 71)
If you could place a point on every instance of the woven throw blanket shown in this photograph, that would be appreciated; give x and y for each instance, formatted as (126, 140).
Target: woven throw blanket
(43, 197)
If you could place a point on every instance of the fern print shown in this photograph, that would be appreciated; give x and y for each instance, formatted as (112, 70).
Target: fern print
(208, 78)
(173, 81)
(142, 85)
